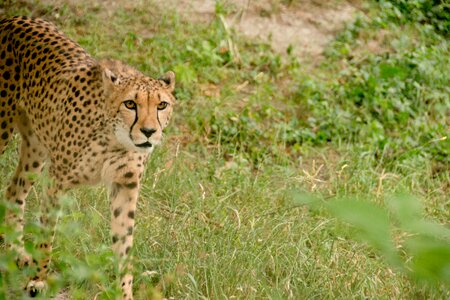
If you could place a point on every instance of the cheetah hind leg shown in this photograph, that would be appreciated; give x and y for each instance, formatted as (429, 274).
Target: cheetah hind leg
(6, 127)
(50, 210)
(32, 158)
(6, 134)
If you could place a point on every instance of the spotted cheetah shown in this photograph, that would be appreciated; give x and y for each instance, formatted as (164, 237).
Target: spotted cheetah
(87, 121)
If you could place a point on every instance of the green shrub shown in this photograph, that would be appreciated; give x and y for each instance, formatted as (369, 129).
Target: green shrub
(433, 12)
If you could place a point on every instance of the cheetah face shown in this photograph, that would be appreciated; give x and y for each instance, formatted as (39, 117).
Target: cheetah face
(144, 106)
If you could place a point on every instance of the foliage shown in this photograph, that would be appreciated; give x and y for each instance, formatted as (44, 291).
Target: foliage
(215, 216)
(386, 98)
(433, 12)
(408, 241)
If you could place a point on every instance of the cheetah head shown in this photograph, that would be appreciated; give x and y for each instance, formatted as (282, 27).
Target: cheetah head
(140, 106)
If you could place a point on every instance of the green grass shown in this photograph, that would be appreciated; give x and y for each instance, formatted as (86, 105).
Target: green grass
(217, 217)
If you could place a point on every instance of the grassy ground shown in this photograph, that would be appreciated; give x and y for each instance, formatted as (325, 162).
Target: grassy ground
(217, 217)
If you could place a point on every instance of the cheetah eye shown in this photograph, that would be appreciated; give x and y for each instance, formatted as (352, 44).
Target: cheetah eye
(162, 105)
(130, 104)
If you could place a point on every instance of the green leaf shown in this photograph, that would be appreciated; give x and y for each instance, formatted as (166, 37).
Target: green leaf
(430, 259)
(370, 220)
(409, 212)
(405, 208)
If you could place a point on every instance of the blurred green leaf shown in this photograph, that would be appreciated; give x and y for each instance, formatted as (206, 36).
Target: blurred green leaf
(430, 258)
(370, 220)
(405, 208)
(426, 245)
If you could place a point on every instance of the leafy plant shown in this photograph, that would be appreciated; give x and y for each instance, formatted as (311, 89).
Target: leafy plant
(402, 235)
(433, 12)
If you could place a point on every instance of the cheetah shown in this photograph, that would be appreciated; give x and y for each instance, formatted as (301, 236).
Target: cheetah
(87, 121)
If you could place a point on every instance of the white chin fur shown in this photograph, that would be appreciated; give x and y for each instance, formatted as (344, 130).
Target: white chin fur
(123, 138)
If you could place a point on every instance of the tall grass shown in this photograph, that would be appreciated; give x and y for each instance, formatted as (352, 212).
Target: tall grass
(217, 217)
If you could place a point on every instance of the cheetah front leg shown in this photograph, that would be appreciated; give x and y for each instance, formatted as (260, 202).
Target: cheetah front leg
(124, 181)
(123, 206)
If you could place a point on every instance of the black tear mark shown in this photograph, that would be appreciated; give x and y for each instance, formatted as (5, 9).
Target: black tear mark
(135, 118)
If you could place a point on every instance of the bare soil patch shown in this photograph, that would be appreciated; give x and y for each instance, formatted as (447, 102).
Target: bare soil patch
(305, 25)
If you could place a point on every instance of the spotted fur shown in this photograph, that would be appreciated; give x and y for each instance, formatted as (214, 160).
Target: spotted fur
(87, 121)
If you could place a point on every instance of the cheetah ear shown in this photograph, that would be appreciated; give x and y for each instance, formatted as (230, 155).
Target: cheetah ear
(109, 78)
(169, 80)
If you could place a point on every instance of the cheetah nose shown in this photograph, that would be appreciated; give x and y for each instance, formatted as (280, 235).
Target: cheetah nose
(148, 131)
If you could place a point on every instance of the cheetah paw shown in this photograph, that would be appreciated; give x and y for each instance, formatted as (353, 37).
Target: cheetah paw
(34, 287)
